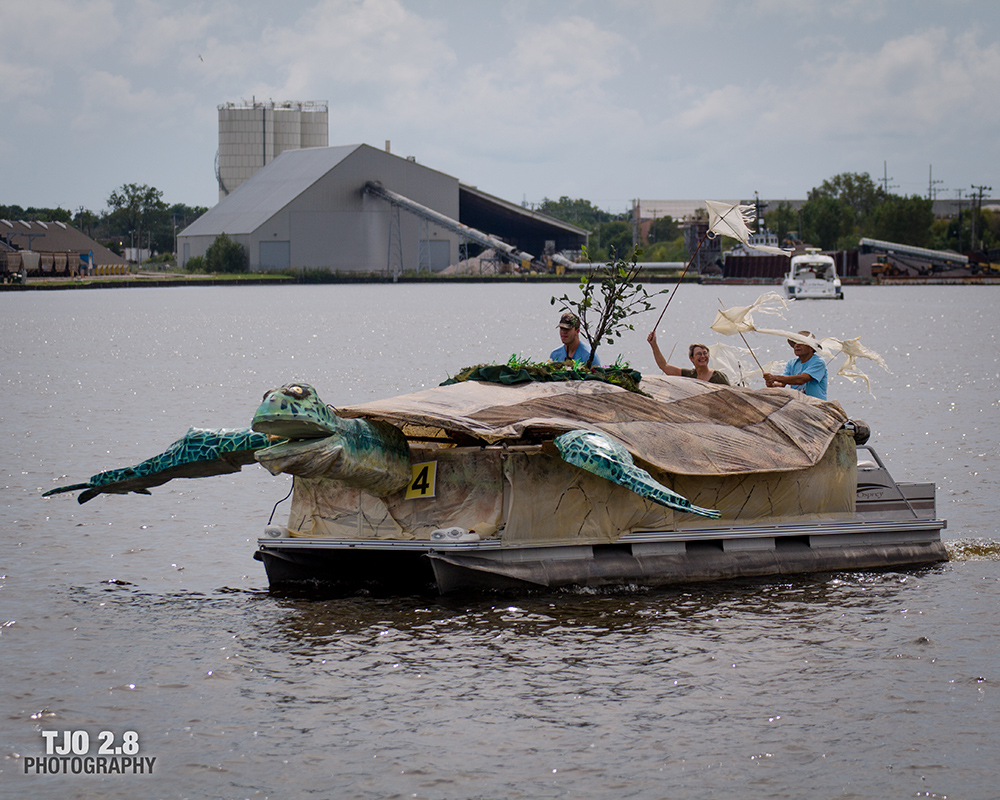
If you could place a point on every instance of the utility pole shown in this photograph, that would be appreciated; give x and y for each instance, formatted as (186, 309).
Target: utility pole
(886, 186)
(759, 211)
(931, 191)
(977, 208)
(959, 219)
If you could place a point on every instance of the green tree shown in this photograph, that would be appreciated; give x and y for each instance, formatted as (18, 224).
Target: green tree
(195, 264)
(11, 212)
(610, 297)
(782, 221)
(663, 229)
(133, 208)
(989, 229)
(85, 220)
(33, 214)
(226, 255)
(172, 221)
(857, 190)
(56, 214)
(828, 223)
(674, 250)
(612, 237)
(579, 212)
(906, 220)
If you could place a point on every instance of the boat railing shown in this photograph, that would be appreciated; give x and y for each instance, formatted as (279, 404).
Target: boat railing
(878, 466)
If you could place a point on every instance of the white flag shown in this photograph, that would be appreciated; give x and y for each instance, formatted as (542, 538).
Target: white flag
(739, 319)
(725, 219)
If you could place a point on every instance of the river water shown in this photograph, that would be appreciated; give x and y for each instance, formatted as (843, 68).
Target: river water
(148, 614)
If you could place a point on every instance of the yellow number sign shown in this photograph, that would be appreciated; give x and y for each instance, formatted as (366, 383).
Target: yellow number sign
(423, 479)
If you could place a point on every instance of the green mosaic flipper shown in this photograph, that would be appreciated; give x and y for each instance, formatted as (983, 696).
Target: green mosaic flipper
(201, 453)
(604, 457)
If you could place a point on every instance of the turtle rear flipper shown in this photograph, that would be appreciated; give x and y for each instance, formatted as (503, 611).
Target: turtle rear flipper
(606, 458)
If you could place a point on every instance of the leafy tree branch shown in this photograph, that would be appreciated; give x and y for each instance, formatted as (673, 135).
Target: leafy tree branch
(610, 298)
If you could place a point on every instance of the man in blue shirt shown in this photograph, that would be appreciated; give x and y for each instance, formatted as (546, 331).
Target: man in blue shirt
(805, 373)
(572, 347)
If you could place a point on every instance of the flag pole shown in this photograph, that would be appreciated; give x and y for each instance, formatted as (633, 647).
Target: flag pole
(694, 255)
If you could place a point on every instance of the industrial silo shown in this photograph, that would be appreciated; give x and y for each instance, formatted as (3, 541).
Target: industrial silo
(252, 134)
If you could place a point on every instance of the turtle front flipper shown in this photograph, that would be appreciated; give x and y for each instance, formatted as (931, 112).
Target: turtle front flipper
(604, 457)
(200, 453)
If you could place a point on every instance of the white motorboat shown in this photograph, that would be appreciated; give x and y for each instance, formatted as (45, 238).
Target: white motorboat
(812, 276)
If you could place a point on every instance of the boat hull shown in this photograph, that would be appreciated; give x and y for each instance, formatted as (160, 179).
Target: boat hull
(812, 290)
(650, 558)
(891, 525)
(812, 277)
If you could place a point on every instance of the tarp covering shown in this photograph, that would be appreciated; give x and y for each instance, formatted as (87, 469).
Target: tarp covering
(469, 494)
(685, 427)
(533, 497)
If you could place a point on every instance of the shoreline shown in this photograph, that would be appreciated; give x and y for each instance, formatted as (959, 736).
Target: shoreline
(153, 280)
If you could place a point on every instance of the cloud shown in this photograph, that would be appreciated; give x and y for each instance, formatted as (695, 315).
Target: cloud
(110, 102)
(342, 45)
(912, 82)
(908, 84)
(59, 31)
(626, 97)
(155, 38)
(21, 80)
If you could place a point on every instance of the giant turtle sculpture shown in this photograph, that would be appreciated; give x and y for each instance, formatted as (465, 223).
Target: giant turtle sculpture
(314, 442)
(481, 484)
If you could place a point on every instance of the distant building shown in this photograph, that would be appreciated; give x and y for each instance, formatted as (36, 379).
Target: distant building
(356, 208)
(58, 248)
(681, 210)
(251, 135)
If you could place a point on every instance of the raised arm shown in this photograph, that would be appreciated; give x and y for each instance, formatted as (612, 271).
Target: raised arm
(661, 362)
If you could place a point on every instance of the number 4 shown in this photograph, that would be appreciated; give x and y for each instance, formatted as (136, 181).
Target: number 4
(423, 480)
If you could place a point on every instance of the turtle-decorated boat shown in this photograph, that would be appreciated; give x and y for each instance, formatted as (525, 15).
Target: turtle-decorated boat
(500, 482)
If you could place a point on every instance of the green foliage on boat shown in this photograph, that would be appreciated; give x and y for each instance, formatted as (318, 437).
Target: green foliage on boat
(519, 369)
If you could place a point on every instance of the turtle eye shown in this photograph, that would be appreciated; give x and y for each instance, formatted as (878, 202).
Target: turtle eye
(296, 391)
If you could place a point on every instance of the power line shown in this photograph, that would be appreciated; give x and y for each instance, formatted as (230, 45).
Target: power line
(886, 186)
(977, 208)
(931, 191)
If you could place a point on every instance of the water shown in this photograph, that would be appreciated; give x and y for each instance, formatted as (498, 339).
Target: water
(149, 613)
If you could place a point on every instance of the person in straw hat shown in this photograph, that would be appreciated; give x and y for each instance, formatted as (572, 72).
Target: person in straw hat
(805, 373)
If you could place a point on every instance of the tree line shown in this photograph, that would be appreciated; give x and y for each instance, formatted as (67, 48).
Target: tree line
(835, 216)
(136, 216)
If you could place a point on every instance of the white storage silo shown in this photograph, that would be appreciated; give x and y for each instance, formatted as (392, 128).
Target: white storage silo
(252, 134)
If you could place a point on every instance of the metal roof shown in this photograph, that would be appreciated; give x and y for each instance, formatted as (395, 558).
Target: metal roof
(258, 199)
(946, 256)
(477, 197)
(55, 237)
(525, 229)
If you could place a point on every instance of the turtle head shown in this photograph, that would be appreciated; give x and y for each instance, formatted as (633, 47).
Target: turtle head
(295, 411)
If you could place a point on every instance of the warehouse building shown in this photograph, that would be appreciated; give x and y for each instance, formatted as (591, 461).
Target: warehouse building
(53, 250)
(356, 208)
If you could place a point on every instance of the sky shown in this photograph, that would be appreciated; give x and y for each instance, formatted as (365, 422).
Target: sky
(606, 100)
